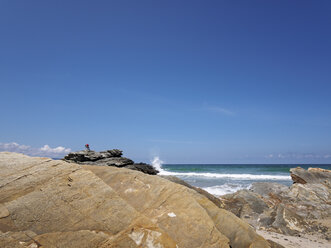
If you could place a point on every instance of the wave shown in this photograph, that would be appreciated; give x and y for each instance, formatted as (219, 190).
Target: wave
(219, 175)
(224, 189)
(157, 163)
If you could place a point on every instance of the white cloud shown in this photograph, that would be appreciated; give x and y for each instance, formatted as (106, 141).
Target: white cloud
(45, 151)
(294, 155)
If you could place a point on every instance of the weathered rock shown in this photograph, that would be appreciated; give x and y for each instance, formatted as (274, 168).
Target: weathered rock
(108, 158)
(288, 210)
(310, 201)
(288, 222)
(246, 205)
(266, 189)
(312, 175)
(58, 204)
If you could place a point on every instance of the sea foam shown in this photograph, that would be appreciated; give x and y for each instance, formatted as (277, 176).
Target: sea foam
(224, 189)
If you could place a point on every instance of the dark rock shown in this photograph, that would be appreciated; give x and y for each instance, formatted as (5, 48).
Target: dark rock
(108, 158)
(146, 168)
(115, 152)
(115, 161)
(85, 155)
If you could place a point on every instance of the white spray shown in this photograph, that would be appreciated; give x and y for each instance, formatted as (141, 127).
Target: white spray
(157, 163)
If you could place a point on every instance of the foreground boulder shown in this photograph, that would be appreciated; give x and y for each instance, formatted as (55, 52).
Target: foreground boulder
(52, 203)
(302, 208)
(108, 158)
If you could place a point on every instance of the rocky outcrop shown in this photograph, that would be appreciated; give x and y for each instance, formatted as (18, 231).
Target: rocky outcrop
(108, 158)
(305, 207)
(312, 175)
(52, 203)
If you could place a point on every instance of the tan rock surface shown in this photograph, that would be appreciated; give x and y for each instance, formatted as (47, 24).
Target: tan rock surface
(51, 203)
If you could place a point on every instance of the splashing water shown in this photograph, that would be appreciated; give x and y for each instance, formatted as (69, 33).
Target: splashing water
(157, 163)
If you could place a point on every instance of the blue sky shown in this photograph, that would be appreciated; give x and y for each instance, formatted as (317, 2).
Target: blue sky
(189, 81)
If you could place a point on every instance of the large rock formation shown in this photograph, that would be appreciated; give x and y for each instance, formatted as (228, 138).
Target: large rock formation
(305, 207)
(108, 158)
(52, 203)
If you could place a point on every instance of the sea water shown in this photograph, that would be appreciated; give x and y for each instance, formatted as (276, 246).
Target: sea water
(220, 179)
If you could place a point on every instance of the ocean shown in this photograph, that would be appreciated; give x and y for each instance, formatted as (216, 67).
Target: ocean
(220, 179)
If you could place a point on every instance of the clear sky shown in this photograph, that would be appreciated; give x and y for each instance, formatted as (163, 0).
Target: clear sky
(190, 81)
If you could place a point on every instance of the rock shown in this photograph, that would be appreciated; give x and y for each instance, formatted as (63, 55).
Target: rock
(302, 208)
(145, 168)
(108, 158)
(266, 189)
(108, 207)
(288, 222)
(115, 161)
(312, 175)
(3, 211)
(273, 244)
(311, 201)
(245, 204)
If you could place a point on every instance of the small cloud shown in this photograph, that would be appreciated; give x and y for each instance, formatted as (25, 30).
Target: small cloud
(172, 141)
(45, 151)
(294, 155)
(221, 110)
(59, 149)
(218, 109)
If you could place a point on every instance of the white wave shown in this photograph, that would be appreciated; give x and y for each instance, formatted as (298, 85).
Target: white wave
(224, 189)
(219, 175)
(157, 163)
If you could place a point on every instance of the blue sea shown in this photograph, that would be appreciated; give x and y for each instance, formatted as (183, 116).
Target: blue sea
(220, 179)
